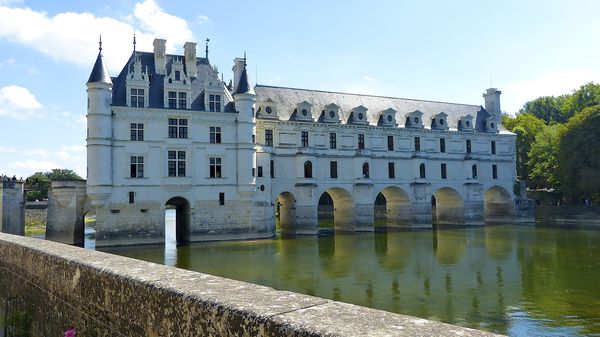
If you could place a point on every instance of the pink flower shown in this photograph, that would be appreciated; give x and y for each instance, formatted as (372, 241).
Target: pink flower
(71, 332)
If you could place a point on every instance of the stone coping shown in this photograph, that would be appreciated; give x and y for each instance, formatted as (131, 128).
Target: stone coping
(138, 298)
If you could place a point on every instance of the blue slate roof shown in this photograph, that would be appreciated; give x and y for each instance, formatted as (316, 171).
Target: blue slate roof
(99, 72)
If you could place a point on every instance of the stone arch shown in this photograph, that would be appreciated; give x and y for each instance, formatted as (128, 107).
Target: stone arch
(448, 207)
(286, 212)
(89, 228)
(497, 204)
(394, 205)
(182, 219)
(336, 204)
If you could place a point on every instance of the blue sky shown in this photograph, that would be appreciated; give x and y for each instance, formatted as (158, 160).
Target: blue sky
(436, 50)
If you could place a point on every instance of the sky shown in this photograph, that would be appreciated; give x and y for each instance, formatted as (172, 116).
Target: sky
(434, 50)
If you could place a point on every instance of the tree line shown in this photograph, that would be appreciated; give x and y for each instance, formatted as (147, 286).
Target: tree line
(558, 143)
(38, 184)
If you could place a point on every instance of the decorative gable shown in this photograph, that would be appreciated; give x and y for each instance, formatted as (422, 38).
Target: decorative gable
(214, 92)
(387, 118)
(358, 116)
(491, 124)
(330, 114)
(465, 123)
(137, 85)
(177, 87)
(414, 120)
(266, 109)
(304, 111)
(439, 121)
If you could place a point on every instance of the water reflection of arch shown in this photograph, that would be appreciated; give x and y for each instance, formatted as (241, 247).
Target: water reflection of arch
(286, 211)
(338, 253)
(398, 206)
(398, 249)
(448, 206)
(449, 244)
(497, 204)
(499, 241)
(342, 208)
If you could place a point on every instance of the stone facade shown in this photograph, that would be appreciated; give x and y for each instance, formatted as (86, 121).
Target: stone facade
(168, 132)
(12, 207)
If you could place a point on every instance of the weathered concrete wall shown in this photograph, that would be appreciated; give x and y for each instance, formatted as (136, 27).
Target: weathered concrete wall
(65, 212)
(106, 295)
(12, 208)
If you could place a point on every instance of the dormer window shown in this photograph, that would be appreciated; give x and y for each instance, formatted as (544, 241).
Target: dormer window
(438, 121)
(330, 114)
(387, 118)
(491, 125)
(214, 103)
(465, 123)
(303, 111)
(137, 98)
(358, 115)
(177, 75)
(413, 119)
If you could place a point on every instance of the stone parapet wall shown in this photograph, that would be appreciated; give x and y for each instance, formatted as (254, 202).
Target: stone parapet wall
(106, 295)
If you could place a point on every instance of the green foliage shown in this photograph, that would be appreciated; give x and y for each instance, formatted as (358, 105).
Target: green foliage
(579, 154)
(44, 180)
(526, 126)
(547, 108)
(543, 158)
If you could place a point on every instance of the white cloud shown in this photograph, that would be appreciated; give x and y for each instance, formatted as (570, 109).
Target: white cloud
(10, 2)
(33, 165)
(552, 84)
(368, 78)
(18, 102)
(202, 19)
(73, 37)
(35, 160)
(7, 149)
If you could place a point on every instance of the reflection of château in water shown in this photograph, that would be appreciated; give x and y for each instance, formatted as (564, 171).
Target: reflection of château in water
(168, 131)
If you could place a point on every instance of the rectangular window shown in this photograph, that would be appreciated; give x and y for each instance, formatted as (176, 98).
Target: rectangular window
(221, 198)
(215, 134)
(332, 140)
(495, 171)
(137, 132)
(137, 98)
(178, 128)
(177, 75)
(136, 167)
(176, 163)
(269, 137)
(333, 169)
(215, 167)
(444, 174)
(468, 146)
(259, 172)
(391, 170)
(493, 147)
(172, 100)
(361, 141)
(442, 145)
(304, 138)
(417, 143)
(214, 103)
(131, 197)
(182, 100)
(390, 143)
(272, 169)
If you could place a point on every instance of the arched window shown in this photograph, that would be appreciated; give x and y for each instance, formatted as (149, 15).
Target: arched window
(366, 170)
(307, 169)
(474, 171)
(422, 171)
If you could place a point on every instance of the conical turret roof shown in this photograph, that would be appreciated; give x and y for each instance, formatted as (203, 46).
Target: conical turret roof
(99, 72)
(244, 87)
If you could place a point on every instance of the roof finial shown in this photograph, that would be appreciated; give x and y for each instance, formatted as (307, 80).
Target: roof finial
(244, 59)
(100, 44)
(133, 40)
(206, 50)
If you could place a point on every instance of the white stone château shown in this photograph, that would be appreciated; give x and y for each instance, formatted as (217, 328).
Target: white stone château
(168, 131)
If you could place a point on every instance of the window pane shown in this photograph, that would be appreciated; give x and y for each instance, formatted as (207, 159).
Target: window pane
(180, 154)
(172, 154)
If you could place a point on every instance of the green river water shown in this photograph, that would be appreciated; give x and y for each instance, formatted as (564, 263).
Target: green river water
(511, 279)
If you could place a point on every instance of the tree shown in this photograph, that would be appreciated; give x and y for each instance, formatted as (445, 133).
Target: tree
(579, 154)
(547, 108)
(587, 95)
(543, 158)
(43, 180)
(526, 126)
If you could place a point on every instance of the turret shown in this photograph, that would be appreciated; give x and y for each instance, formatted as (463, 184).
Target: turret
(492, 102)
(245, 98)
(99, 132)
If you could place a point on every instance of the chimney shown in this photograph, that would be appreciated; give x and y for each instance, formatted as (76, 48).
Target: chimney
(190, 59)
(238, 66)
(160, 56)
(492, 102)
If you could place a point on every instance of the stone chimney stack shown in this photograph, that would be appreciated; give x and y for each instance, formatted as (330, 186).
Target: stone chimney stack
(238, 67)
(160, 56)
(190, 59)
(492, 102)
